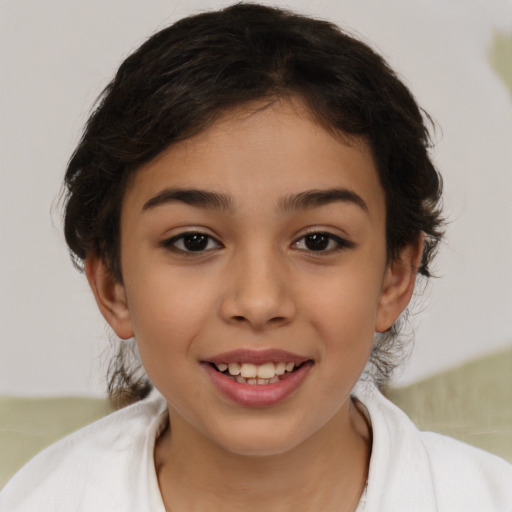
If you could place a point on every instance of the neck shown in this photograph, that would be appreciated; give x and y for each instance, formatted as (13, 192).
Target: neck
(327, 472)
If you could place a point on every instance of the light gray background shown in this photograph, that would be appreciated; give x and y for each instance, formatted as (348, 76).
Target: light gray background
(55, 58)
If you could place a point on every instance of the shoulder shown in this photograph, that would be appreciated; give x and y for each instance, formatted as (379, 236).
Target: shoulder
(94, 467)
(423, 471)
(465, 475)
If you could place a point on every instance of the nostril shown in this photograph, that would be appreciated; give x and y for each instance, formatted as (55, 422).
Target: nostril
(277, 320)
(274, 320)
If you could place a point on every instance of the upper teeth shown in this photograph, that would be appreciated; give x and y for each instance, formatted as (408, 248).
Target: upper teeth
(262, 371)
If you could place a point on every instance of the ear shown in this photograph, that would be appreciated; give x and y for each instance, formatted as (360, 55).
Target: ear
(110, 296)
(398, 285)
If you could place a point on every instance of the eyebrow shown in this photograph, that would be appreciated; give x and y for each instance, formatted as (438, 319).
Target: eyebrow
(316, 198)
(210, 200)
(193, 197)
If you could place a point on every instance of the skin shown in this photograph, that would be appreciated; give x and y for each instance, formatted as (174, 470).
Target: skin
(258, 285)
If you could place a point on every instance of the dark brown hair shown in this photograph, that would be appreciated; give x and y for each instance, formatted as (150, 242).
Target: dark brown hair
(187, 75)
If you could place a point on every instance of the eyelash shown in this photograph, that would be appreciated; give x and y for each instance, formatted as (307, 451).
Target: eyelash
(341, 243)
(171, 243)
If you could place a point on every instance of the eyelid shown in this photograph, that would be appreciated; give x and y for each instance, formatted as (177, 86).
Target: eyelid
(169, 243)
(342, 243)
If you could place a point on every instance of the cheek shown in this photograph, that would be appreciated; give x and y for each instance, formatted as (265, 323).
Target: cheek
(343, 309)
(168, 308)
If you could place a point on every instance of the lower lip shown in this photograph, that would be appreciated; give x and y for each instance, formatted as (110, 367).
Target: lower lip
(258, 395)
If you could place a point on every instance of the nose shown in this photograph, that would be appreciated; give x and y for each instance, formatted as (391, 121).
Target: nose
(258, 292)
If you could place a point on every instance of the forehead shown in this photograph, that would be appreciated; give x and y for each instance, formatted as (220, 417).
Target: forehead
(258, 154)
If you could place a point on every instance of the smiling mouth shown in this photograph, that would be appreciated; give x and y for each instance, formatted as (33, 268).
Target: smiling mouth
(257, 374)
(257, 378)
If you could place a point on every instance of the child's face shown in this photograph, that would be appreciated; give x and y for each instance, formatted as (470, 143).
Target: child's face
(254, 278)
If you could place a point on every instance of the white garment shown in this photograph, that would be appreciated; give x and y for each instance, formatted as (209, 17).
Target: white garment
(425, 472)
(108, 467)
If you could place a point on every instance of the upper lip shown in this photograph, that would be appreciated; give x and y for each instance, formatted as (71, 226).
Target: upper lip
(270, 355)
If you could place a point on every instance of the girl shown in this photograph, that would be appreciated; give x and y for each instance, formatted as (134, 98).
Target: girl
(252, 201)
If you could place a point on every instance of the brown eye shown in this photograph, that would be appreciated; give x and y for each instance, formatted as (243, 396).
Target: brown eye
(192, 242)
(195, 242)
(322, 242)
(317, 242)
